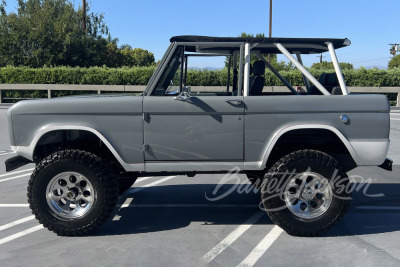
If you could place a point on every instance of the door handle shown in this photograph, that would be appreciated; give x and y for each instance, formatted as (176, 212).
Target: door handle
(233, 101)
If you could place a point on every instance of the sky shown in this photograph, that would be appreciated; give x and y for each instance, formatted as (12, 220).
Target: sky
(370, 25)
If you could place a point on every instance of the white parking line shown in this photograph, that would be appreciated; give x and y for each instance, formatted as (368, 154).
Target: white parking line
(377, 208)
(20, 234)
(137, 189)
(395, 119)
(9, 153)
(36, 228)
(127, 204)
(15, 177)
(263, 246)
(12, 173)
(232, 237)
(14, 205)
(11, 224)
(142, 179)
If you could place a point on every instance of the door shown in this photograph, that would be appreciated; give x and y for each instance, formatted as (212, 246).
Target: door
(201, 128)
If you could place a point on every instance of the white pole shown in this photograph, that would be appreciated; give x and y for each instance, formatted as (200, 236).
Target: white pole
(302, 69)
(246, 68)
(337, 69)
(240, 87)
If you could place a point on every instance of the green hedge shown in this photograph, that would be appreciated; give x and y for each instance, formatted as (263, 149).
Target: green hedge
(68, 75)
(140, 76)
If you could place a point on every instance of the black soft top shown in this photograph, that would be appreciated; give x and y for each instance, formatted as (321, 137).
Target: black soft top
(302, 45)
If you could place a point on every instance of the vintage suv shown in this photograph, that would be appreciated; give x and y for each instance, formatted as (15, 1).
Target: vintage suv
(89, 149)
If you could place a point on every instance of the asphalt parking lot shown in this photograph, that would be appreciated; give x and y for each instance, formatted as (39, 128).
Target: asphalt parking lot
(171, 221)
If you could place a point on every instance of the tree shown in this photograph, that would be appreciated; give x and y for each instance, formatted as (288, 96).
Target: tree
(137, 57)
(49, 32)
(394, 62)
(329, 65)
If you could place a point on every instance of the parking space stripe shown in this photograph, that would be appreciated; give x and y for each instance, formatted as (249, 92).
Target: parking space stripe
(14, 205)
(263, 246)
(129, 205)
(377, 208)
(12, 173)
(9, 153)
(137, 189)
(395, 119)
(20, 234)
(8, 225)
(231, 237)
(15, 177)
(142, 179)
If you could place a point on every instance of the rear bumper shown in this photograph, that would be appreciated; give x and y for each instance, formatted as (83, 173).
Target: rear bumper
(16, 162)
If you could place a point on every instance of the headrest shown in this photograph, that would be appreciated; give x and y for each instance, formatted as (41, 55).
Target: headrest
(333, 80)
(259, 68)
(323, 79)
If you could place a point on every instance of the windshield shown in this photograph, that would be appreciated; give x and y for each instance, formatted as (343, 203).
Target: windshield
(171, 73)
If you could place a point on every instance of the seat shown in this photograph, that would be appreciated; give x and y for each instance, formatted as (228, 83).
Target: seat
(334, 84)
(257, 82)
(323, 79)
(337, 91)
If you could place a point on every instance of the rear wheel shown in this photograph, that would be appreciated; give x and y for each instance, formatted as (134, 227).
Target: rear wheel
(72, 192)
(305, 193)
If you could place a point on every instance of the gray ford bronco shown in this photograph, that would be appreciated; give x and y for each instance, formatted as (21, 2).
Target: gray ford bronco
(295, 145)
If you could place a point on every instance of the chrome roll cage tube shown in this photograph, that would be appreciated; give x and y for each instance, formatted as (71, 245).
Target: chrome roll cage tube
(283, 80)
(307, 75)
(244, 65)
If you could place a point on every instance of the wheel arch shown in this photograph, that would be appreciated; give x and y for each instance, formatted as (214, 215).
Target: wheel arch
(310, 130)
(56, 134)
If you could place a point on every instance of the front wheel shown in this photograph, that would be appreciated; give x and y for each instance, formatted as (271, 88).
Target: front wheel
(72, 192)
(306, 193)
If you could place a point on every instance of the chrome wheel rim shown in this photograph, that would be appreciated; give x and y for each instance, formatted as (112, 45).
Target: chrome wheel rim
(70, 195)
(308, 195)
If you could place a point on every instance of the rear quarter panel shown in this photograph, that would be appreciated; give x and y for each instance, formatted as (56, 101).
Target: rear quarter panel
(266, 116)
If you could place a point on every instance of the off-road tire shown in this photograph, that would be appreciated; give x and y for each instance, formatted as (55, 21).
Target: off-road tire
(320, 163)
(95, 170)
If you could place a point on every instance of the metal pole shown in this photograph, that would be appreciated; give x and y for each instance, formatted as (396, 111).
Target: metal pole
(270, 25)
(302, 69)
(84, 15)
(246, 69)
(288, 85)
(337, 69)
(241, 55)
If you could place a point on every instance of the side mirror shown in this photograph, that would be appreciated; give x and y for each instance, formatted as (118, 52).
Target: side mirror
(184, 95)
(174, 92)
